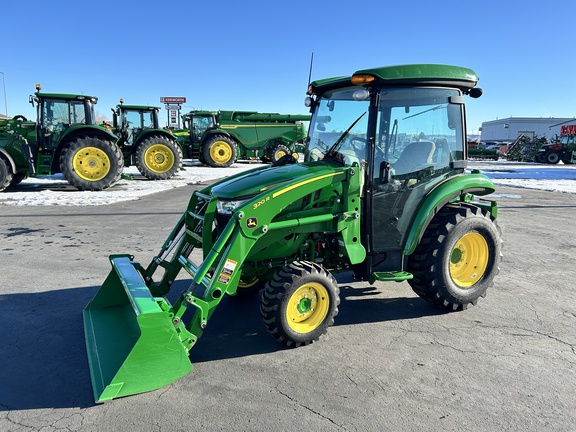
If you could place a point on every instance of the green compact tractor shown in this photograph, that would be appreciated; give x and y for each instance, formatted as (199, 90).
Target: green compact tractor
(219, 138)
(64, 138)
(153, 150)
(382, 192)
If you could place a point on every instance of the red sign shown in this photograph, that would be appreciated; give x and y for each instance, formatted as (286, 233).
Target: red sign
(568, 130)
(176, 100)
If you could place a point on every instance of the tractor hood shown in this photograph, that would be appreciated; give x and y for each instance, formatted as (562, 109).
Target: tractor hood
(257, 181)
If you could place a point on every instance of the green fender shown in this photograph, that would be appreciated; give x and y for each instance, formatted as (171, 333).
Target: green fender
(477, 184)
(87, 129)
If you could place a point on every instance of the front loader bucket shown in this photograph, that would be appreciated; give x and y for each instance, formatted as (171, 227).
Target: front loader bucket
(132, 344)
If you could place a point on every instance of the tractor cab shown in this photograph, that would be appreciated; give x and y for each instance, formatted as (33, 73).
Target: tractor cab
(405, 140)
(130, 120)
(57, 112)
(198, 124)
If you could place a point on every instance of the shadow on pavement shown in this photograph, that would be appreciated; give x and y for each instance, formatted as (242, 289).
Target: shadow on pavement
(43, 354)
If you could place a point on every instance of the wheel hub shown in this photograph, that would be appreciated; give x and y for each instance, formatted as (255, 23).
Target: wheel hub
(221, 152)
(469, 260)
(307, 307)
(159, 158)
(91, 163)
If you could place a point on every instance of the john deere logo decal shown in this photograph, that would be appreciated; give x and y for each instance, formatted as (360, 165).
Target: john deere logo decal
(251, 222)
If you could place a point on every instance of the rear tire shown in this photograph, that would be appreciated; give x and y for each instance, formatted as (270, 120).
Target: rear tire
(17, 178)
(552, 157)
(278, 152)
(90, 163)
(219, 151)
(158, 158)
(249, 286)
(6, 175)
(457, 258)
(299, 303)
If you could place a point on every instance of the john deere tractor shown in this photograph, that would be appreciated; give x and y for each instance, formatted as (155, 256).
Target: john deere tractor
(64, 138)
(153, 150)
(382, 192)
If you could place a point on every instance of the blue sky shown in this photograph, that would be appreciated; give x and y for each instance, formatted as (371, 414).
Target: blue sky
(254, 55)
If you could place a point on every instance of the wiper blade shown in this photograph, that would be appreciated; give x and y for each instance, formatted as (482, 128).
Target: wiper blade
(341, 138)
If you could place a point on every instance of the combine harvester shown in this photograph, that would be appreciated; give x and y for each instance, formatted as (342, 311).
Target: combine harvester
(382, 192)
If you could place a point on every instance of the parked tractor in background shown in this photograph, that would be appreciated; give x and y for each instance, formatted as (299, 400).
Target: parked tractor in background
(64, 139)
(563, 150)
(382, 192)
(219, 138)
(153, 150)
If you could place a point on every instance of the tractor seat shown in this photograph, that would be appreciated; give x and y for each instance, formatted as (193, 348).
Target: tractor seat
(415, 156)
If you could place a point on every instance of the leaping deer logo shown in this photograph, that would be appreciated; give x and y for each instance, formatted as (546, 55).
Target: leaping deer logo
(251, 222)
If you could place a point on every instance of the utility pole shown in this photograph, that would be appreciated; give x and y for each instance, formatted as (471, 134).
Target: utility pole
(5, 100)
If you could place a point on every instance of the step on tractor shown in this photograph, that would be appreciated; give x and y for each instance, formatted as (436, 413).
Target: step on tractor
(154, 150)
(563, 150)
(219, 138)
(382, 192)
(64, 139)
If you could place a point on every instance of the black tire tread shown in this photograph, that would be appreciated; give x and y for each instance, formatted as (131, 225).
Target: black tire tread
(272, 298)
(425, 262)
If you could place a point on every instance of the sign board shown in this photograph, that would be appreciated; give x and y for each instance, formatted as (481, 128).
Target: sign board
(176, 100)
(568, 130)
(172, 107)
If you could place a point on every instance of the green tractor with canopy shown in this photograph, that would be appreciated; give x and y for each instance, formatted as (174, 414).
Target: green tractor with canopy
(64, 139)
(154, 150)
(383, 192)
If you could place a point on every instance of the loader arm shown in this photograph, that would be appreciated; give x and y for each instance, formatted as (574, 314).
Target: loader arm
(151, 340)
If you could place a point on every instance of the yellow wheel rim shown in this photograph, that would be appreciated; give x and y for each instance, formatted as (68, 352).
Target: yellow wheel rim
(280, 153)
(221, 152)
(248, 283)
(159, 158)
(91, 163)
(307, 307)
(469, 260)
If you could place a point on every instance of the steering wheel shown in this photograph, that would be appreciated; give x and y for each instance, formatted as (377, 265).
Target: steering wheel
(19, 117)
(357, 143)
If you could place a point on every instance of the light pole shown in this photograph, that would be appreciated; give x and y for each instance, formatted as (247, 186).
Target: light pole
(5, 101)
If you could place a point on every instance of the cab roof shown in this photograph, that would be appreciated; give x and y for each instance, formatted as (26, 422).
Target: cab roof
(66, 96)
(138, 107)
(401, 75)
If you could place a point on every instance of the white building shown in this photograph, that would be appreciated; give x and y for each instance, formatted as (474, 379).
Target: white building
(509, 129)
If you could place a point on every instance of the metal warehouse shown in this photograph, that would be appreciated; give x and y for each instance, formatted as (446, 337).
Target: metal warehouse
(510, 128)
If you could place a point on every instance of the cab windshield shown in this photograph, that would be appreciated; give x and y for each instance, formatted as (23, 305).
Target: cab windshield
(414, 128)
(200, 124)
(339, 127)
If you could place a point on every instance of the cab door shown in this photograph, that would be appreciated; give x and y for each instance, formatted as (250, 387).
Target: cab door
(416, 140)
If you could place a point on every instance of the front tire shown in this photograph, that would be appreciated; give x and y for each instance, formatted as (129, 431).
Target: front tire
(90, 163)
(158, 158)
(299, 303)
(457, 258)
(219, 151)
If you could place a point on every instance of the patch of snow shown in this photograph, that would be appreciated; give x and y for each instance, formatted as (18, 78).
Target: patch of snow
(55, 191)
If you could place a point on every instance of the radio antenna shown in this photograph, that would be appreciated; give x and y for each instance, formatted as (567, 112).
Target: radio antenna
(310, 72)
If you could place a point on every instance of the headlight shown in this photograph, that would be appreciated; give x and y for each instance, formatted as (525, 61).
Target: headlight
(228, 206)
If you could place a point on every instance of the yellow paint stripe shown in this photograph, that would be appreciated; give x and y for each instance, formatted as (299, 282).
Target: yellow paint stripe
(297, 185)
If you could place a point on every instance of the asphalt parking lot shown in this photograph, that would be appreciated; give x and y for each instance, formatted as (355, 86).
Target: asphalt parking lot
(390, 362)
